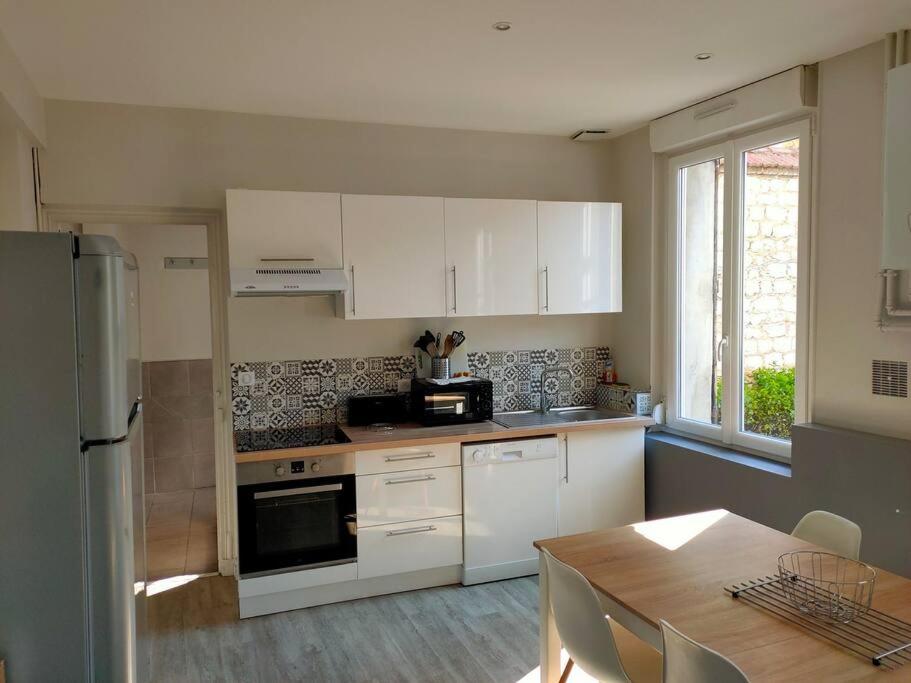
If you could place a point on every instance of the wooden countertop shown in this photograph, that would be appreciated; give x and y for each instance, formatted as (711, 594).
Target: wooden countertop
(410, 434)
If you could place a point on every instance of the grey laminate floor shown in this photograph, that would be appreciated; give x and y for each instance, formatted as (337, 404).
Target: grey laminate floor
(485, 633)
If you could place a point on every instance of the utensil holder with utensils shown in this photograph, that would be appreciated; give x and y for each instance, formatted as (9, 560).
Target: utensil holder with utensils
(439, 368)
(439, 350)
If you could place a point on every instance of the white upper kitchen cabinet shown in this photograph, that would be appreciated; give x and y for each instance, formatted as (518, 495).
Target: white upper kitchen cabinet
(303, 228)
(491, 257)
(393, 257)
(579, 257)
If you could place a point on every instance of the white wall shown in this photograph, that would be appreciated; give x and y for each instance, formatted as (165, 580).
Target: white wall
(848, 250)
(631, 330)
(117, 154)
(22, 125)
(141, 156)
(17, 188)
(174, 304)
(20, 104)
(288, 328)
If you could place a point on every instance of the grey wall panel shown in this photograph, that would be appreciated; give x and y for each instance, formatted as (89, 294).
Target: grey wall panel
(681, 479)
(864, 477)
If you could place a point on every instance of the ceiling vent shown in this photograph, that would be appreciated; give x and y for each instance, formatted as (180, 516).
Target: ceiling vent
(590, 135)
(890, 378)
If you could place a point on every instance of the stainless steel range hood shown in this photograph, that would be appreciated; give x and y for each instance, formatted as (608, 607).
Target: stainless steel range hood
(287, 281)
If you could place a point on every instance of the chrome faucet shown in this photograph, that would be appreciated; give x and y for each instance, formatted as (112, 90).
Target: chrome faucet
(545, 408)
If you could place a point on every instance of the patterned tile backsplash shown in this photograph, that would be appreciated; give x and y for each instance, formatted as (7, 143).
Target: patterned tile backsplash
(293, 393)
(516, 375)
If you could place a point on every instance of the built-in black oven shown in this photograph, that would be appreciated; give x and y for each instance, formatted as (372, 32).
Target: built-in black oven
(455, 402)
(296, 514)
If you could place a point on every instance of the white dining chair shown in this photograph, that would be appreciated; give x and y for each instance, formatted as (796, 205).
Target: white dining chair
(829, 531)
(586, 632)
(686, 661)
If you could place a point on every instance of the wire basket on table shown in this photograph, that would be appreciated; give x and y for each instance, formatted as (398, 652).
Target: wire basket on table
(826, 586)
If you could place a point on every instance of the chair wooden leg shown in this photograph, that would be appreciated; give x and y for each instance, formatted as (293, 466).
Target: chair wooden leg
(565, 675)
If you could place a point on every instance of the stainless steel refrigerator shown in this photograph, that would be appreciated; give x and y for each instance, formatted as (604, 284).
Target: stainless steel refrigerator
(72, 539)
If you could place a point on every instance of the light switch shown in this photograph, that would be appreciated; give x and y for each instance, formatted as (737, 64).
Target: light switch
(246, 379)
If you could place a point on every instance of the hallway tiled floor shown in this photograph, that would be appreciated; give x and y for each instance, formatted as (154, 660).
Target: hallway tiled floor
(180, 533)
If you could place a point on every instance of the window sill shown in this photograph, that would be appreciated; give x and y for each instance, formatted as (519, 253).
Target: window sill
(722, 452)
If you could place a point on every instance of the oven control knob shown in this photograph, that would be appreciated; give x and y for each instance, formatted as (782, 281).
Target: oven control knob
(315, 467)
(478, 455)
(279, 470)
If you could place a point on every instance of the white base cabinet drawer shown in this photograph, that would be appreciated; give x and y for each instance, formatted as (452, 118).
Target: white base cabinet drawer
(403, 496)
(407, 458)
(409, 546)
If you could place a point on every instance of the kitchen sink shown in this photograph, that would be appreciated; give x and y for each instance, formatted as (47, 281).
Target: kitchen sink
(588, 414)
(537, 418)
(527, 418)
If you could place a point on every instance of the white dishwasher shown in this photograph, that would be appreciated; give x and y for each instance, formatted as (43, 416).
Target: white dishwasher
(509, 500)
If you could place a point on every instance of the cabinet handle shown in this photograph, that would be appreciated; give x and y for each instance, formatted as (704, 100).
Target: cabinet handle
(454, 295)
(546, 290)
(400, 458)
(353, 301)
(279, 260)
(412, 530)
(566, 460)
(409, 480)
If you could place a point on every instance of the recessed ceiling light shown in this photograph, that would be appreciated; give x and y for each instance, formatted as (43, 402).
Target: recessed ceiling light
(502, 26)
(703, 56)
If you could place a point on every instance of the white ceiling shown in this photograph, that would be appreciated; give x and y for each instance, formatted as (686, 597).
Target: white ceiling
(564, 65)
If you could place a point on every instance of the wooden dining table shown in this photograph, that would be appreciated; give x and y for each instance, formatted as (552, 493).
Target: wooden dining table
(677, 569)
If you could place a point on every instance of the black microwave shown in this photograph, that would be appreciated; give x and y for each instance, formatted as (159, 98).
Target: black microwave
(455, 402)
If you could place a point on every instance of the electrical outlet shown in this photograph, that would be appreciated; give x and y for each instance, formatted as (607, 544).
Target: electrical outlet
(246, 379)
(404, 385)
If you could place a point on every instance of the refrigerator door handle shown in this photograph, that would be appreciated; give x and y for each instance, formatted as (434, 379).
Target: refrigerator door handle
(116, 557)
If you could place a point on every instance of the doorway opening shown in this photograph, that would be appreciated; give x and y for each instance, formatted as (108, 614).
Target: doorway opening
(178, 394)
(182, 438)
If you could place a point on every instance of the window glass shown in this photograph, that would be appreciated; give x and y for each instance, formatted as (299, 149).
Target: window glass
(701, 209)
(768, 297)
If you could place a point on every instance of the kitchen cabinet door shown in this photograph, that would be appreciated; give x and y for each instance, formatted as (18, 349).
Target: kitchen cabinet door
(579, 257)
(603, 480)
(491, 257)
(284, 228)
(409, 546)
(393, 257)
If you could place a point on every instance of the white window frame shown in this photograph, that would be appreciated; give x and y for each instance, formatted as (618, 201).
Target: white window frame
(675, 242)
(732, 151)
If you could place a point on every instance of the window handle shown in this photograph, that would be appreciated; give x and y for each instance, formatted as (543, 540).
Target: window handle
(719, 350)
